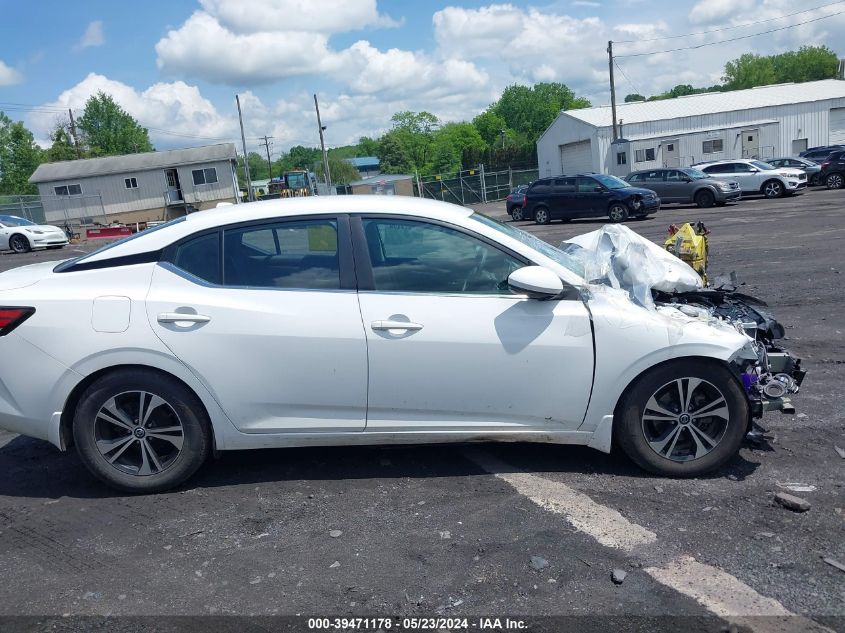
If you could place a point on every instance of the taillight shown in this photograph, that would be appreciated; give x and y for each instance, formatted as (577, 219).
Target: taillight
(825, 164)
(10, 318)
(509, 198)
(524, 201)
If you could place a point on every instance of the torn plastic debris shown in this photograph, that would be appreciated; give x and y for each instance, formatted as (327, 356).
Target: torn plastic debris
(616, 256)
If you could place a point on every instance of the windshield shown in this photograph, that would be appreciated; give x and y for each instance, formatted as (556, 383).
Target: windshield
(695, 174)
(544, 248)
(13, 220)
(611, 182)
(761, 165)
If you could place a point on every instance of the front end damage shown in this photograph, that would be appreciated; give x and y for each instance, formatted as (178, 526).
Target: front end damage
(655, 279)
(769, 373)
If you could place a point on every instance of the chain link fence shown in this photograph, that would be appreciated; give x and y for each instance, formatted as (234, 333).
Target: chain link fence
(473, 186)
(27, 207)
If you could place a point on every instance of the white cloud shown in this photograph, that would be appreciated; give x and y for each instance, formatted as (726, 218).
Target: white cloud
(8, 75)
(722, 11)
(93, 35)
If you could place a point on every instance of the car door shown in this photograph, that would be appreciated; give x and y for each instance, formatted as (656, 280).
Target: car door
(4, 237)
(748, 177)
(722, 171)
(266, 315)
(450, 348)
(656, 180)
(568, 201)
(594, 197)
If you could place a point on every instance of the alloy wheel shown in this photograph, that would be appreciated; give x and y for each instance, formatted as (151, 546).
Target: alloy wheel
(773, 189)
(19, 244)
(516, 214)
(617, 213)
(541, 216)
(834, 181)
(685, 419)
(138, 433)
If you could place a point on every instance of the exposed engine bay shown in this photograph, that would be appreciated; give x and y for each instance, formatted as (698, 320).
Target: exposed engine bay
(656, 279)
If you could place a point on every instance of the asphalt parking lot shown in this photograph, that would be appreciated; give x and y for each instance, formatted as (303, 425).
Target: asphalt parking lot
(487, 530)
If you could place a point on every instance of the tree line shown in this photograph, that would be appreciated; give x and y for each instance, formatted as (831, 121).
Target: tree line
(808, 63)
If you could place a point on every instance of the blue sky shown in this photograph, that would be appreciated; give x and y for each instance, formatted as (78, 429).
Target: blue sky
(176, 65)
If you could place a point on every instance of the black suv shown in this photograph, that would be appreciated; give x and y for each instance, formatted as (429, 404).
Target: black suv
(818, 154)
(587, 196)
(833, 170)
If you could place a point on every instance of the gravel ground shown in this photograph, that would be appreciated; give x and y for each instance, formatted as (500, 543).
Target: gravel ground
(425, 530)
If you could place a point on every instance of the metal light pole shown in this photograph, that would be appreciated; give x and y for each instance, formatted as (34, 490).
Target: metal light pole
(323, 145)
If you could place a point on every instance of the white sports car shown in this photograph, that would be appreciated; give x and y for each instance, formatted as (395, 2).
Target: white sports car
(21, 235)
(362, 320)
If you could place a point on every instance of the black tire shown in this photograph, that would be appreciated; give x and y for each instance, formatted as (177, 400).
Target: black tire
(19, 243)
(516, 214)
(834, 180)
(630, 429)
(773, 189)
(541, 215)
(183, 407)
(705, 199)
(617, 212)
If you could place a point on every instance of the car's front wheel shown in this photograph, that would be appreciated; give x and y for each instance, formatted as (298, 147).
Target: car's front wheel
(516, 214)
(773, 189)
(617, 212)
(541, 215)
(683, 418)
(834, 181)
(705, 199)
(141, 431)
(19, 244)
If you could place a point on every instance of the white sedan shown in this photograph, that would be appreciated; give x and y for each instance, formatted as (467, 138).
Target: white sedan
(21, 235)
(354, 320)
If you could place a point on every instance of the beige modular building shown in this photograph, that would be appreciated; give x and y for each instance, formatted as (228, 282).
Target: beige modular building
(138, 187)
(384, 184)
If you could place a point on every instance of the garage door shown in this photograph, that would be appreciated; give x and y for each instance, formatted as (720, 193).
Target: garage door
(576, 158)
(837, 126)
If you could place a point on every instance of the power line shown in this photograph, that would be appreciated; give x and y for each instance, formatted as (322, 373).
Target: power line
(625, 75)
(728, 28)
(733, 39)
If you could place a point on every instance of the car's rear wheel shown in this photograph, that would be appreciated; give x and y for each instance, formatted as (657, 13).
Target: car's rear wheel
(834, 181)
(773, 189)
(19, 244)
(139, 431)
(682, 419)
(516, 214)
(617, 212)
(541, 215)
(705, 199)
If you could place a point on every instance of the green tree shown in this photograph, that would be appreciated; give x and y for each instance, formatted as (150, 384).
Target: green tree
(342, 171)
(109, 130)
(490, 126)
(634, 97)
(63, 147)
(808, 63)
(749, 70)
(445, 157)
(367, 146)
(19, 156)
(393, 156)
(530, 110)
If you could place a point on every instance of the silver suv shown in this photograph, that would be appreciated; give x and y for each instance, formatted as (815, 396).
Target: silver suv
(755, 176)
(686, 186)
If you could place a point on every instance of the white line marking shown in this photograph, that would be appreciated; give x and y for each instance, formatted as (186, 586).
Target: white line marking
(604, 524)
(717, 591)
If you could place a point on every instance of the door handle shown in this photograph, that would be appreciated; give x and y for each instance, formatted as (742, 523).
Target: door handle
(395, 325)
(181, 317)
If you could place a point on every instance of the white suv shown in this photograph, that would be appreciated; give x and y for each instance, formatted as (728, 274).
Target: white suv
(755, 176)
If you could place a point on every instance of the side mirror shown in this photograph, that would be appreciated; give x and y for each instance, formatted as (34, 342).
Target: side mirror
(598, 188)
(536, 281)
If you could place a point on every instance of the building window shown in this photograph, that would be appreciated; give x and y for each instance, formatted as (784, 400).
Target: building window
(712, 146)
(206, 176)
(621, 158)
(68, 190)
(644, 155)
(130, 183)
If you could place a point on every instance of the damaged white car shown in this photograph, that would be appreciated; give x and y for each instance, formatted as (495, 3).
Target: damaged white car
(372, 320)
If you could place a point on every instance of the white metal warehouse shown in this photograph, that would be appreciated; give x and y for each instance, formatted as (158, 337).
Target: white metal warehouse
(764, 122)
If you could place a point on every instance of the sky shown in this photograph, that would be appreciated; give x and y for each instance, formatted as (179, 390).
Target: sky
(176, 65)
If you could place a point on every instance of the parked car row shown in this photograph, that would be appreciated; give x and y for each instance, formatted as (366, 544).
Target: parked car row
(642, 192)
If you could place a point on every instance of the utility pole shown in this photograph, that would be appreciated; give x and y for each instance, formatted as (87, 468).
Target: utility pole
(73, 132)
(323, 145)
(612, 89)
(246, 156)
(266, 144)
